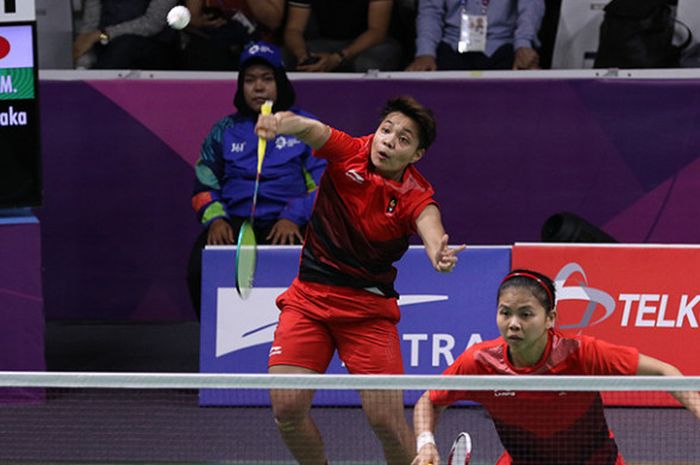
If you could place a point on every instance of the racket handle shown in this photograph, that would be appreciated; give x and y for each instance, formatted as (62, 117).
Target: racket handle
(265, 110)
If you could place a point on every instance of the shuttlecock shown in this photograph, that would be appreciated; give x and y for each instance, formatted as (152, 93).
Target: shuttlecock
(179, 17)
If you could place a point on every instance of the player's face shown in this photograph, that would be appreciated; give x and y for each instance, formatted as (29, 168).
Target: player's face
(523, 323)
(395, 145)
(259, 85)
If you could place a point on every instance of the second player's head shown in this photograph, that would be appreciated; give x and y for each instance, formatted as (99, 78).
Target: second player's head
(526, 312)
(405, 132)
(261, 76)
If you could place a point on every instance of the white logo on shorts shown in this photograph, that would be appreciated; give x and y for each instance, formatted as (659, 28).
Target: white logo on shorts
(275, 350)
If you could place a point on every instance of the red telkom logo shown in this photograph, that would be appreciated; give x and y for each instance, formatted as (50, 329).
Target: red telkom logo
(4, 47)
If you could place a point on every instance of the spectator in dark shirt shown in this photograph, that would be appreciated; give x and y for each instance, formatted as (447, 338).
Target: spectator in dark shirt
(126, 34)
(351, 36)
(219, 29)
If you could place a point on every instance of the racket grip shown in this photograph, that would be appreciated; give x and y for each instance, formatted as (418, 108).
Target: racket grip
(265, 110)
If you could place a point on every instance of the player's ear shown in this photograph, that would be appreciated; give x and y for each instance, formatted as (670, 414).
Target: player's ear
(418, 155)
(551, 319)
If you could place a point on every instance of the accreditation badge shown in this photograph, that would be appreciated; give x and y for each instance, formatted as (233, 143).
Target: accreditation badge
(472, 33)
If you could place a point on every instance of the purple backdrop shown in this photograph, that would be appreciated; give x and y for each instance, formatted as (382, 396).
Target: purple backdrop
(21, 304)
(117, 225)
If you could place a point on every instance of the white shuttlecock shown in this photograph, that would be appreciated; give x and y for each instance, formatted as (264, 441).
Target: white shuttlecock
(179, 17)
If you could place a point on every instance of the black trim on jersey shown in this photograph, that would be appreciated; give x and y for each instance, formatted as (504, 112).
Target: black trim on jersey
(314, 271)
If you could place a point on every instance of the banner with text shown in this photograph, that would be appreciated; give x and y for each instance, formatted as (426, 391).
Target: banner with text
(442, 314)
(642, 296)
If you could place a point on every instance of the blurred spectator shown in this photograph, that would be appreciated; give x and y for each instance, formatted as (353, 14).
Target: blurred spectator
(227, 167)
(502, 33)
(219, 29)
(126, 34)
(350, 36)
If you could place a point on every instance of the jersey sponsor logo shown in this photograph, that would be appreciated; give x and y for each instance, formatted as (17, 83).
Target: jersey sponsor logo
(504, 393)
(282, 142)
(355, 176)
(237, 147)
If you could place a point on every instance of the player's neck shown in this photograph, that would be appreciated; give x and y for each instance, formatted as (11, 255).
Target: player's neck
(529, 356)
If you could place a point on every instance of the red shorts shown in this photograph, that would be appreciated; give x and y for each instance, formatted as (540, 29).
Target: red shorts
(316, 319)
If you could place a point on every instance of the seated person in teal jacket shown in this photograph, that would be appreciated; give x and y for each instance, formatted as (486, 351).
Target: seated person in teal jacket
(227, 167)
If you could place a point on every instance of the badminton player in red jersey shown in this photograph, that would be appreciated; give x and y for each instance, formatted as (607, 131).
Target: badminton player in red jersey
(540, 427)
(370, 200)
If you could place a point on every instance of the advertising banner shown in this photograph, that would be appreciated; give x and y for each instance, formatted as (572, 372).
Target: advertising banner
(442, 313)
(645, 296)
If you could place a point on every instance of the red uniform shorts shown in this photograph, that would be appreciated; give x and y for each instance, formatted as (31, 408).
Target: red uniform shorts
(316, 319)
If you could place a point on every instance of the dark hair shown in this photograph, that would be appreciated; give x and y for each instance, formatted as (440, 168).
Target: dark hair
(285, 91)
(421, 115)
(541, 286)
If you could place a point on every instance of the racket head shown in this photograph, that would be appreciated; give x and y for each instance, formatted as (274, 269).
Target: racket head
(461, 450)
(246, 259)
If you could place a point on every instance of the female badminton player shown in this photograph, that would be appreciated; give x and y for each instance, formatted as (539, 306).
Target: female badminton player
(540, 427)
(370, 200)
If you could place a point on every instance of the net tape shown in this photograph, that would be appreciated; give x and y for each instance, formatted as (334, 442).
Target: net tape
(344, 382)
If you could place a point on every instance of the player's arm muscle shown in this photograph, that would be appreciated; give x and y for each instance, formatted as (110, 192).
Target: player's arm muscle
(430, 229)
(649, 366)
(310, 131)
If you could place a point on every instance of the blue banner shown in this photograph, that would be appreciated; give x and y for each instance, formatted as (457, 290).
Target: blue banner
(442, 314)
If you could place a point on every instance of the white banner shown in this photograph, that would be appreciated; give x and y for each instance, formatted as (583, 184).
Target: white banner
(17, 10)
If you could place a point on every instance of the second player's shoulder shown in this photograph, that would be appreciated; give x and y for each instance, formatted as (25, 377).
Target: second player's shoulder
(491, 349)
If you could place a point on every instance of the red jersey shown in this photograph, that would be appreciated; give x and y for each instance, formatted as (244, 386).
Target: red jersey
(361, 221)
(547, 427)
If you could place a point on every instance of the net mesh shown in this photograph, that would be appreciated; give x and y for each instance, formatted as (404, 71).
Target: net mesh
(48, 418)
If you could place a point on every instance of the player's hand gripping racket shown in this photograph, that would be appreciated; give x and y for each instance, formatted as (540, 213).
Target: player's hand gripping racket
(461, 450)
(247, 246)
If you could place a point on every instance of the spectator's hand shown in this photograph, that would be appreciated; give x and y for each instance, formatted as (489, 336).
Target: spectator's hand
(326, 62)
(285, 232)
(446, 258)
(220, 233)
(84, 42)
(526, 58)
(428, 454)
(423, 63)
(207, 21)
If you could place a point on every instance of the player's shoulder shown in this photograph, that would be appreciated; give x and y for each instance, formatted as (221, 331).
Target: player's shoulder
(471, 360)
(573, 339)
(418, 180)
(484, 346)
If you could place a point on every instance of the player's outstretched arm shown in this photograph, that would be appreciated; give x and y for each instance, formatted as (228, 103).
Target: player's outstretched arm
(425, 416)
(430, 229)
(310, 131)
(649, 366)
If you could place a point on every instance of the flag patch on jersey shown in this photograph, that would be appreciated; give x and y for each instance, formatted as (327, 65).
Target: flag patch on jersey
(392, 205)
